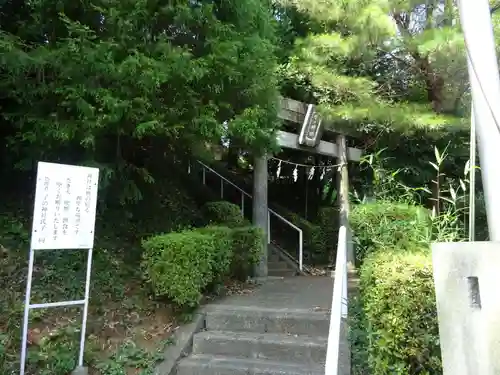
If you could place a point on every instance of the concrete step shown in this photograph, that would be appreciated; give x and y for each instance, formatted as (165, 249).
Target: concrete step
(305, 350)
(273, 258)
(210, 365)
(262, 320)
(279, 265)
(284, 272)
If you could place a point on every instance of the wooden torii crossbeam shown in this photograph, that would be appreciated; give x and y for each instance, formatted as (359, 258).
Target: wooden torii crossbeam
(295, 111)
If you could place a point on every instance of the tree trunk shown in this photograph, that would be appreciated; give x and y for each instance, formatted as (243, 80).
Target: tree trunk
(434, 84)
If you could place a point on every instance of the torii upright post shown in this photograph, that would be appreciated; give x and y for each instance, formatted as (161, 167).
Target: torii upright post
(260, 209)
(343, 195)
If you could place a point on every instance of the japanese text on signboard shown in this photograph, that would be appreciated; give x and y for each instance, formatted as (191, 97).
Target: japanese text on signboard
(65, 203)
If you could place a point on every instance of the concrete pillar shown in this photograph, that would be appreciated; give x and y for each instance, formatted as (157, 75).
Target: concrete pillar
(343, 195)
(466, 279)
(260, 214)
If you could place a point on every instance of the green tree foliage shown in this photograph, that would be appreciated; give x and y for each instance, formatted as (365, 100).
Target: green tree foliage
(391, 73)
(395, 65)
(119, 83)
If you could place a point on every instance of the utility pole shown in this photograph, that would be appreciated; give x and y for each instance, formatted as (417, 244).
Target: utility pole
(476, 24)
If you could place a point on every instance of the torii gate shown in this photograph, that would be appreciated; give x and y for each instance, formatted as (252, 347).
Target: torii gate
(309, 140)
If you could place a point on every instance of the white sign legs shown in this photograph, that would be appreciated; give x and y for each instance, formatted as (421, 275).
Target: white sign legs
(85, 308)
(63, 218)
(26, 312)
(28, 306)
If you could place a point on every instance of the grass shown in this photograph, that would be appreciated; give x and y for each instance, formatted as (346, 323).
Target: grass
(126, 330)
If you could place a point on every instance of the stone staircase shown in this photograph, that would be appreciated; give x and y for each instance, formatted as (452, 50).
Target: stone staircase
(278, 265)
(259, 341)
(280, 329)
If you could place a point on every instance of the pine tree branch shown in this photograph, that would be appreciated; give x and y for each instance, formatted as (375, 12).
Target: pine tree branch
(400, 59)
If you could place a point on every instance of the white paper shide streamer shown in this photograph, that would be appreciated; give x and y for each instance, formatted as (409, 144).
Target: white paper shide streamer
(311, 173)
(311, 170)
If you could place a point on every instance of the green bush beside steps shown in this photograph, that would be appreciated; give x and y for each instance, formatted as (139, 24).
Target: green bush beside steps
(394, 319)
(181, 266)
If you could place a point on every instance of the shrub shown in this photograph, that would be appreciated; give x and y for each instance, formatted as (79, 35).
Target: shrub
(247, 249)
(386, 224)
(397, 293)
(224, 213)
(181, 265)
(315, 245)
(222, 257)
(358, 338)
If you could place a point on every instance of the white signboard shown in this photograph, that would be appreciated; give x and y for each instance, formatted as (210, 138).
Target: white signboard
(65, 207)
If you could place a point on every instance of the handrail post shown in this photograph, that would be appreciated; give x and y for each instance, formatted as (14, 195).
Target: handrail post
(344, 285)
(268, 227)
(337, 309)
(221, 188)
(301, 250)
(242, 204)
(204, 176)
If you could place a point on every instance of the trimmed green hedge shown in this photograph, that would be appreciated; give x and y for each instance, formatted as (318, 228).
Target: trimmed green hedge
(247, 244)
(221, 258)
(397, 292)
(395, 328)
(383, 224)
(246, 248)
(224, 213)
(182, 265)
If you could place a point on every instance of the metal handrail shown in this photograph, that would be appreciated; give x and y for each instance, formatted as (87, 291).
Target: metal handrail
(269, 211)
(223, 178)
(301, 236)
(338, 310)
